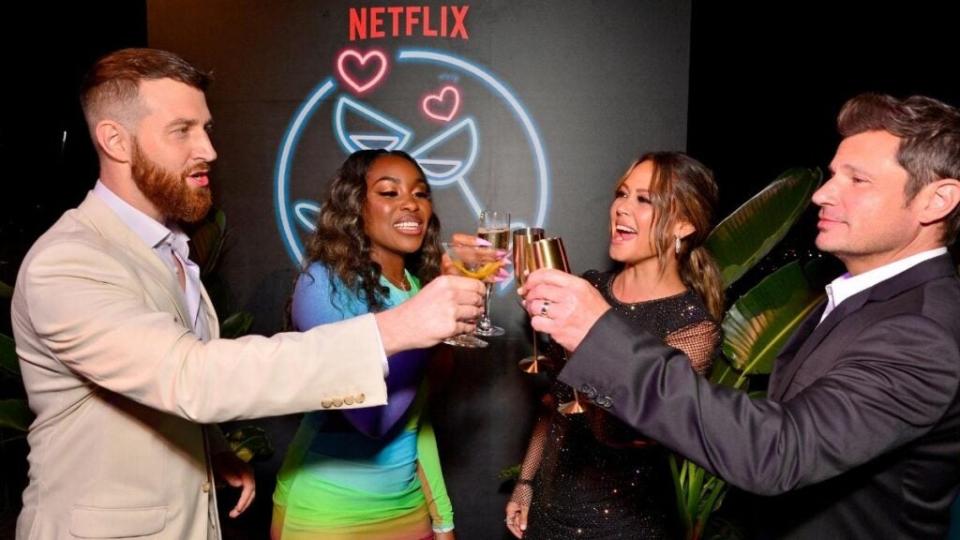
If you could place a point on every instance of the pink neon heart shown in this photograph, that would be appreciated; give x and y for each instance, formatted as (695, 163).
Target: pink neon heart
(361, 82)
(436, 105)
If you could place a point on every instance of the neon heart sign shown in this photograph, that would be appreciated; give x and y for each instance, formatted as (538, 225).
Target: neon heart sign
(443, 105)
(354, 70)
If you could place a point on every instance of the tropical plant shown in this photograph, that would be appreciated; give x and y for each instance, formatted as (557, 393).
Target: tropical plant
(14, 413)
(250, 443)
(758, 324)
(15, 418)
(207, 241)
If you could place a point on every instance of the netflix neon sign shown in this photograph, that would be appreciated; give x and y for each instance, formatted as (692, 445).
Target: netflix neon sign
(404, 21)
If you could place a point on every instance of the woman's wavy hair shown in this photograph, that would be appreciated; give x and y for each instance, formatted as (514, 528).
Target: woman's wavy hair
(341, 243)
(682, 188)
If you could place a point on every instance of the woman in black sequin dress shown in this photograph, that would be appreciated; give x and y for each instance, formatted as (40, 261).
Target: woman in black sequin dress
(589, 475)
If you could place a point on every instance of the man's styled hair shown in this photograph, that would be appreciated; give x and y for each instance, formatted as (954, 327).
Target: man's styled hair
(112, 83)
(929, 132)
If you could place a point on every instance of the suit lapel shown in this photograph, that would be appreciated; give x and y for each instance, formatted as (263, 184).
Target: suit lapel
(788, 355)
(806, 328)
(818, 334)
(938, 267)
(109, 225)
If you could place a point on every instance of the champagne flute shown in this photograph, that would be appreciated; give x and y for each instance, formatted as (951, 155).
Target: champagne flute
(550, 253)
(523, 263)
(494, 228)
(477, 262)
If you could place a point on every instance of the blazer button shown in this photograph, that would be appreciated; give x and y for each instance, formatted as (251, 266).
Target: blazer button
(205, 487)
(348, 400)
(326, 404)
(360, 397)
(604, 401)
(588, 391)
(337, 402)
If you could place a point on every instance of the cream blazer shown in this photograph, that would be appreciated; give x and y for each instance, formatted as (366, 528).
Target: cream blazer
(122, 388)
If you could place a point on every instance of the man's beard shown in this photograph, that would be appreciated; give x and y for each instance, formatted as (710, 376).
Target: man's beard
(170, 192)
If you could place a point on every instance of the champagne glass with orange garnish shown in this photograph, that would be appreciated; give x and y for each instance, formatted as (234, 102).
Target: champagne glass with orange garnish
(477, 262)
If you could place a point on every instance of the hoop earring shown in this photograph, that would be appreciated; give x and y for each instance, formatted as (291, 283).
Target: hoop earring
(676, 245)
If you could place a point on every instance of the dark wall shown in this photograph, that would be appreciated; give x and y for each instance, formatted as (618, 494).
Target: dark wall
(597, 81)
(768, 79)
(46, 153)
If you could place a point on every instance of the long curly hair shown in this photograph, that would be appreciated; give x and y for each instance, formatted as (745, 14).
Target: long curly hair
(342, 245)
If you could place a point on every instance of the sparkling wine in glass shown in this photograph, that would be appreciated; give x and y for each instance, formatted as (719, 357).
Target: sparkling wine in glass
(523, 263)
(477, 262)
(550, 253)
(494, 228)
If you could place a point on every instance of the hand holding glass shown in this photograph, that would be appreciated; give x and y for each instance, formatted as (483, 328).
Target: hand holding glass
(477, 262)
(550, 253)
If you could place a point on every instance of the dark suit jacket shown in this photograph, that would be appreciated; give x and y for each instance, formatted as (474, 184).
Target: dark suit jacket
(860, 435)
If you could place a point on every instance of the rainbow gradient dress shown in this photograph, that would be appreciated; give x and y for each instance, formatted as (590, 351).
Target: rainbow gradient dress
(373, 473)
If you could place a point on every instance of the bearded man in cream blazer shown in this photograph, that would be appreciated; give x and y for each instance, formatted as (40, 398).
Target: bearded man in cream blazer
(118, 341)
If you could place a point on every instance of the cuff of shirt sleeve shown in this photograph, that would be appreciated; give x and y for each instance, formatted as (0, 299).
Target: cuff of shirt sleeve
(437, 528)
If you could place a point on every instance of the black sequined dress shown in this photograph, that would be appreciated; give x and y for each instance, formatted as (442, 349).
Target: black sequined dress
(598, 478)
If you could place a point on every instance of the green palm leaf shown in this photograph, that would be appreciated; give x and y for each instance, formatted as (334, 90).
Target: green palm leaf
(206, 242)
(761, 321)
(236, 325)
(250, 443)
(751, 231)
(15, 414)
(8, 356)
(722, 373)
(6, 291)
(679, 474)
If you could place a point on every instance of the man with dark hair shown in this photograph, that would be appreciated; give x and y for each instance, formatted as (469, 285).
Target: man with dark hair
(859, 436)
(118, 341)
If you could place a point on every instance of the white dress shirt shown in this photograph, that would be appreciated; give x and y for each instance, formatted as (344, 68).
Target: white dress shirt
(846, 285)
(170, 244)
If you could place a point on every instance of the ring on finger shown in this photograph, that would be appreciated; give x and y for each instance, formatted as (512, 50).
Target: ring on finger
(544, 308)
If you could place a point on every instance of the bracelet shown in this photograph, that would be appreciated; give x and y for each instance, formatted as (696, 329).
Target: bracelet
(525, 481)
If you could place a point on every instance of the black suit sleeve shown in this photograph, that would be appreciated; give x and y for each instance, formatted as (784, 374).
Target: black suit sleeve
(889, 386)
